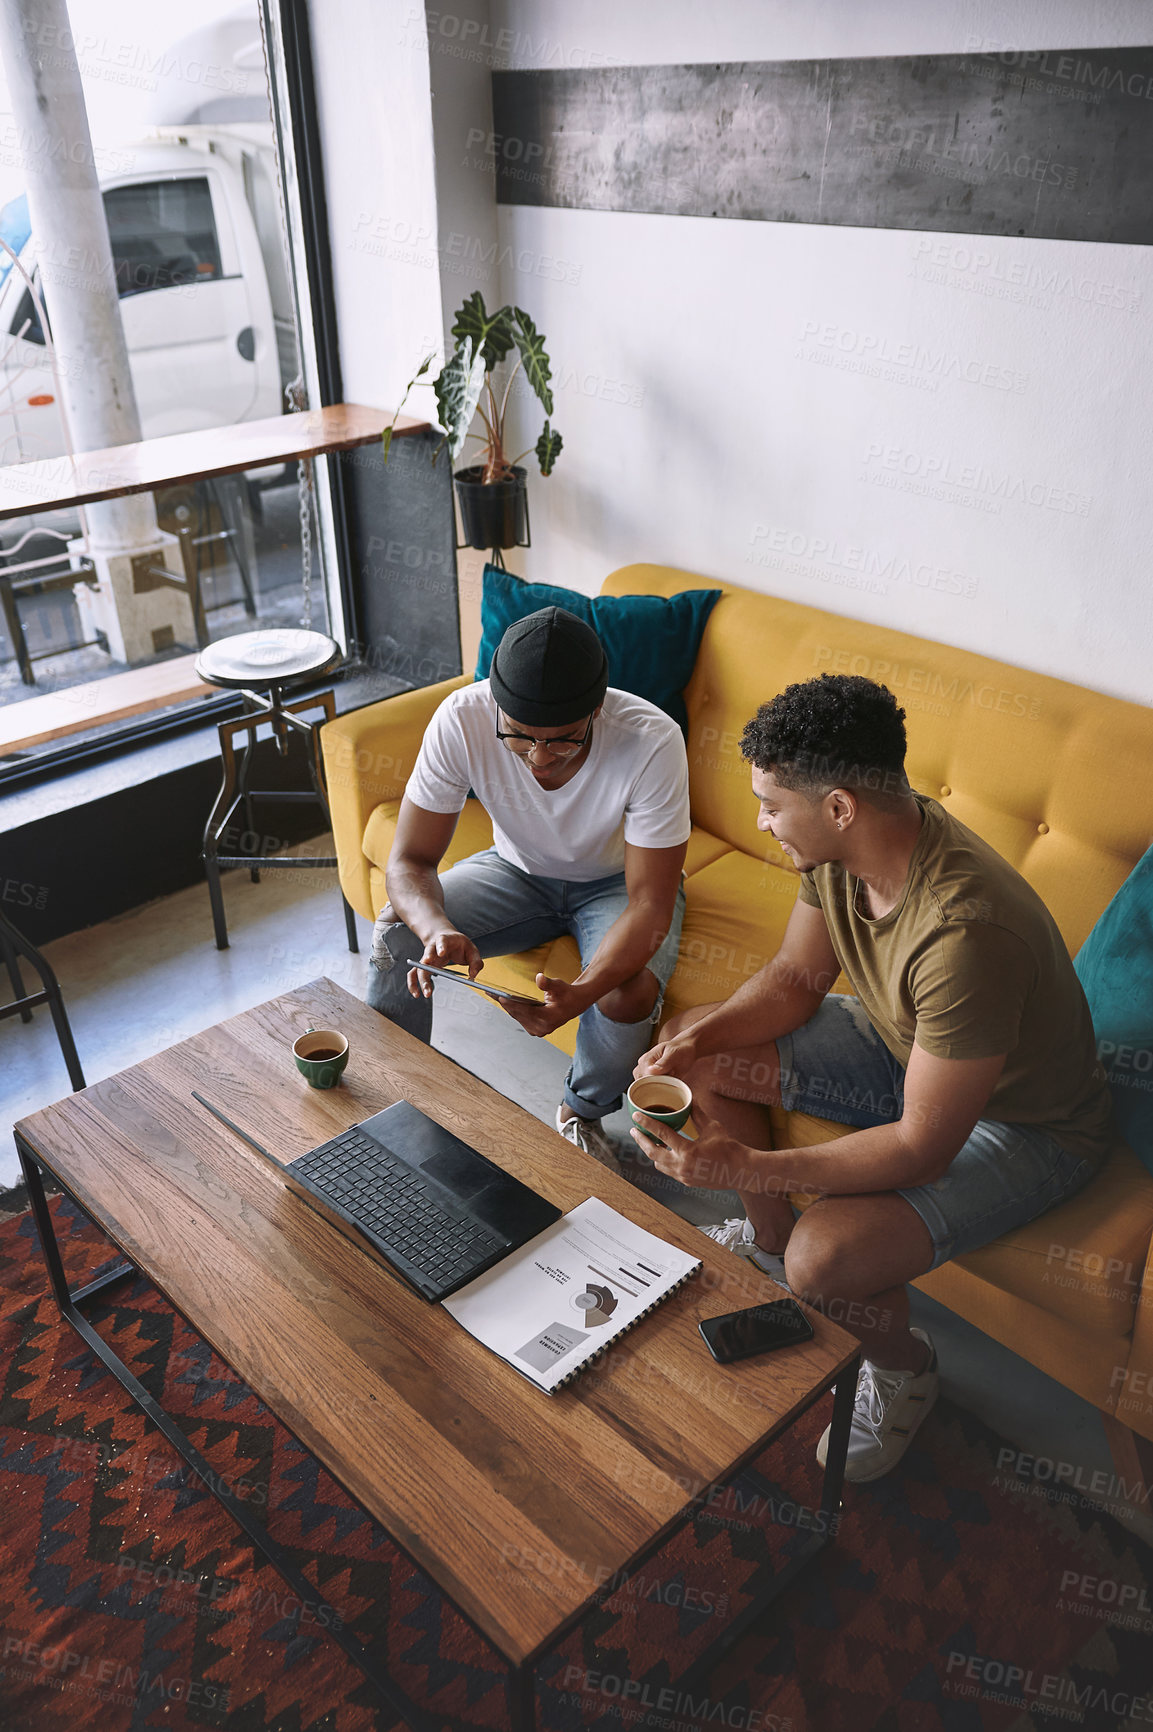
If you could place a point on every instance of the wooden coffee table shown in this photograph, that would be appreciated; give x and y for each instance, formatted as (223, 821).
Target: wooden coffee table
(552, 1496)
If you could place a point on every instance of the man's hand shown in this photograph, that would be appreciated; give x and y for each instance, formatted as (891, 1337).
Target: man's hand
(669, 1057)
(710, 1161)
(444, 948)
(561, 1003)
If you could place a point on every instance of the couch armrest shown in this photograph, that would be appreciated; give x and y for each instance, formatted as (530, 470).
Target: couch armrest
(368, 757)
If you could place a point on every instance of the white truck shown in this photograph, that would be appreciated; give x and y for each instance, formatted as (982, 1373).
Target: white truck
(199, 251)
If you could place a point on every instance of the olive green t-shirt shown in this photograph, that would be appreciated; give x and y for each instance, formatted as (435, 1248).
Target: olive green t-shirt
(970, 963)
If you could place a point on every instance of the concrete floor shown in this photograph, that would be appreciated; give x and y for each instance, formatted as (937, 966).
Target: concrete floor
(141, 982)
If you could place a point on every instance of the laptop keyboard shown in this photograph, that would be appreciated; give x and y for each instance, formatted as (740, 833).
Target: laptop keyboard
(391, 1201)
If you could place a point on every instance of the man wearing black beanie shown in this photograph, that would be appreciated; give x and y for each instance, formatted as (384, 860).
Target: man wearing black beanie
(587, 788)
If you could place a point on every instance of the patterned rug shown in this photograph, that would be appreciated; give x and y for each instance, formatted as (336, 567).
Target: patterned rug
(973, 1588)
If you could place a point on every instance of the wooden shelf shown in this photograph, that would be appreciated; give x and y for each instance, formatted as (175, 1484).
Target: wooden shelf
(52, 482)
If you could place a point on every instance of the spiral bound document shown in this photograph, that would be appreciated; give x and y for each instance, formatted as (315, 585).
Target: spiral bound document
(554, 1305)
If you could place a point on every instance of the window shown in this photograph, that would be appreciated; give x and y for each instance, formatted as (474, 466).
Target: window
(212, 360)
(163, 235)
(28, 315)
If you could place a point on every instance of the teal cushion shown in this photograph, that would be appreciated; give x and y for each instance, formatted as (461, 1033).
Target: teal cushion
(651, 640)
(1115, 966)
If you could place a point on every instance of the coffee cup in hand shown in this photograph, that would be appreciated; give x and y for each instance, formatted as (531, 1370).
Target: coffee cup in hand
(664, 1098)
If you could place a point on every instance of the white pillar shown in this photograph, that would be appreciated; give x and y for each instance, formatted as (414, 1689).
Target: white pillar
(67, 212)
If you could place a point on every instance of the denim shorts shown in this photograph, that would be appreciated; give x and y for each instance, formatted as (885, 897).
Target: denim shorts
(838, 1067)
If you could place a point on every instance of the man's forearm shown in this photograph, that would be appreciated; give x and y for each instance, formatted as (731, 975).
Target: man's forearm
(629, 944)
(772, 1003)
(882, 1158)
(416, 897)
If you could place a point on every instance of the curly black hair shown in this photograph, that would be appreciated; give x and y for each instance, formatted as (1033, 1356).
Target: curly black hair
(836, 731)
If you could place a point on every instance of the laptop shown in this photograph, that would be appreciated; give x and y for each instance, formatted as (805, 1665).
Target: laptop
(410, 1192)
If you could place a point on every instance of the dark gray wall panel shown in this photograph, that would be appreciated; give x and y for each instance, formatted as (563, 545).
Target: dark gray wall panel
(402, 531)
(1054, 143)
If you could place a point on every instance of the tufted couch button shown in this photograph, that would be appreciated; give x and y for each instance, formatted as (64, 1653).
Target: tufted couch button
(946, 791)
(1042, 829)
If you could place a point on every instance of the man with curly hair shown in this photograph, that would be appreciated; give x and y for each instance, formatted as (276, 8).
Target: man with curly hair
(965, 1063)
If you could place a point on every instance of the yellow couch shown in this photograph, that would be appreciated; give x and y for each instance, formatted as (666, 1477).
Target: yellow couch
(1056, 777)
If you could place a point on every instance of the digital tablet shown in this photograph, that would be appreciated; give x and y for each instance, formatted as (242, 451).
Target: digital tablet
(478, 984)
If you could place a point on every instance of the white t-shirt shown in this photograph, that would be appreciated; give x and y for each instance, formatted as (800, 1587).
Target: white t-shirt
(633, 786)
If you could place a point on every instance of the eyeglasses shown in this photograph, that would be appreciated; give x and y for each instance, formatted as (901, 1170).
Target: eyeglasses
(523, 744)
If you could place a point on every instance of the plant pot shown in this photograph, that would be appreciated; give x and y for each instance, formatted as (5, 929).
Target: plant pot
(495, 515)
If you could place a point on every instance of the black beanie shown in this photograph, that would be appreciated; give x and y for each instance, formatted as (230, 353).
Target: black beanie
(549, 669)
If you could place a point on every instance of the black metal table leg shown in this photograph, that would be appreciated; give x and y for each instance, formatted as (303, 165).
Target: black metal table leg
(245, 792)
(522, 1698)
(316, 768)
(833, 1483)
(217, 818)
(227, 490)
(11, 609)
(64, 1035)
(350, 925)
(11, 962)
(42, 1215)
(14, 943)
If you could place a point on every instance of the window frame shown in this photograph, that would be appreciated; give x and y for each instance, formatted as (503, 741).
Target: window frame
(295, 127)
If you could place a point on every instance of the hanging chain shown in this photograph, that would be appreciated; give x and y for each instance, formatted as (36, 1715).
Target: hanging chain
(296, 398)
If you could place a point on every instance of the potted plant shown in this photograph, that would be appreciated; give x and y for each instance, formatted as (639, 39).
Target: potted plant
(492, 492)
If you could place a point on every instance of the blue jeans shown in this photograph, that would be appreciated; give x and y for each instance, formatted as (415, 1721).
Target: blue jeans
(837, 1066)
(504, 910)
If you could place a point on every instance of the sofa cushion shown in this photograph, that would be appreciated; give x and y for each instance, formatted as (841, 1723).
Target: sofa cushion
(1084, 1361)
(1085, 1259)
(1115, 966)
(651, 641)
(736, 912)
(735, 916)
(702, 850)
(473, 833)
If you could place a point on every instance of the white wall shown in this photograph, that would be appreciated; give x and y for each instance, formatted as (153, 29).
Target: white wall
(375, 117)
(946, 434)
(889, 424)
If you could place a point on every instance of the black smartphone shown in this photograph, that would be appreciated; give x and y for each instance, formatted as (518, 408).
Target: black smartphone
(740, 1334)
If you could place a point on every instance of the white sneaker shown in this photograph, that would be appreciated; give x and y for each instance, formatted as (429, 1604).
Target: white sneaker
(736, 1235)
(889, 1407)
(588, 1135)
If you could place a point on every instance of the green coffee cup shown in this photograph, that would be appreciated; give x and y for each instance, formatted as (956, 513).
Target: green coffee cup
(321, 1056)
(664, 1098)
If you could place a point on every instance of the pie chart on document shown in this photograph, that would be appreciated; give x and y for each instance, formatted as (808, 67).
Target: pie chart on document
(596, 1304)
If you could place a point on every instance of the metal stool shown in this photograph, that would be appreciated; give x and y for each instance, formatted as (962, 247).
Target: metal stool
(13, 945)
(272, 660)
